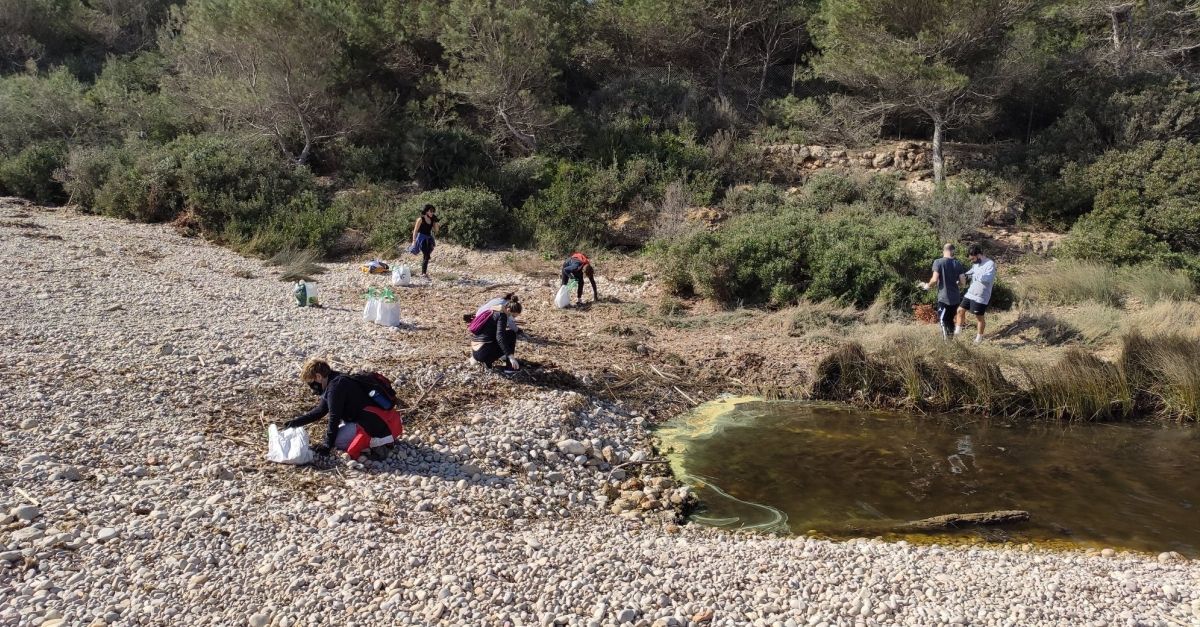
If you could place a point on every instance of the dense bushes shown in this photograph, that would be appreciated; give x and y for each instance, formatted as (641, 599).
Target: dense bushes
(236, 192)
(469, 217)
(850, 254)
(575, 209)
(30, 173)
(304, 223)
(1145, 206)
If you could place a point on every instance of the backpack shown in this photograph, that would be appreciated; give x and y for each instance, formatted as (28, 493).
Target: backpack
(479, 322)
(381, 384)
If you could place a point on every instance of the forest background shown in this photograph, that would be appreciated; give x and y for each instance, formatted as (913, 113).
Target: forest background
(642, 125)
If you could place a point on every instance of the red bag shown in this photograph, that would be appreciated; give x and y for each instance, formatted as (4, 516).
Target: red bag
(478, 323)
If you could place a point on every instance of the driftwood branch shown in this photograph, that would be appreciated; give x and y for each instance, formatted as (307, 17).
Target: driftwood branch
(955, 521)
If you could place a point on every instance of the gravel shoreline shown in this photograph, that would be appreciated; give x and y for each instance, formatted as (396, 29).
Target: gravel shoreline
(134, 368)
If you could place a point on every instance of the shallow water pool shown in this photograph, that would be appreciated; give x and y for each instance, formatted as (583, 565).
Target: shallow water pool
(839, 471)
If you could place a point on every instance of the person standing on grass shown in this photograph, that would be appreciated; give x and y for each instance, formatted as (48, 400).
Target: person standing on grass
(983, 277)
(424, 229)
(948, 276)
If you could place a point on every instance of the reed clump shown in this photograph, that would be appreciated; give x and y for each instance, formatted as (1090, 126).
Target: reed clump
(1153, 377)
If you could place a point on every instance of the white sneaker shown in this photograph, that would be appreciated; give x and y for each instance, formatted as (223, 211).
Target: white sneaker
(978, 339)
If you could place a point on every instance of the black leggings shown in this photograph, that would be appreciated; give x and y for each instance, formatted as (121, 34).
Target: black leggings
(491, 351)
(567, 275)
(426, 251)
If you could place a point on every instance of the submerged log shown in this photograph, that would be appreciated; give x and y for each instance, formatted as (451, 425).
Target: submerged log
(955, 521)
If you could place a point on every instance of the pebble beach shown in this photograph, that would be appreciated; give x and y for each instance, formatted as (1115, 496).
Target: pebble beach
(138, 372)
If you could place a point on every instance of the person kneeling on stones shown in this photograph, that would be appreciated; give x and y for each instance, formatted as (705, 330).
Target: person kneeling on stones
(356, 421)
(494, 338)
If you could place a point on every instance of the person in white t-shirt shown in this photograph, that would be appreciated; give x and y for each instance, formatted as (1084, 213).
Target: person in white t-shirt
(983, 277)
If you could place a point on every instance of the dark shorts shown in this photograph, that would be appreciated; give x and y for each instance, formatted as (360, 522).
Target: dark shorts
(973, 306)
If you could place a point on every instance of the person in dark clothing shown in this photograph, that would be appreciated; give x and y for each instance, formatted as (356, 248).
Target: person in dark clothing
(576, 267)
(491, 304)
(948, 275)
(424, 229)
(497, 339)
(355, 421)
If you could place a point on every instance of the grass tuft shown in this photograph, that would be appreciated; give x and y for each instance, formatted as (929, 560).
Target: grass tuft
(1070, 283)
(297, 265)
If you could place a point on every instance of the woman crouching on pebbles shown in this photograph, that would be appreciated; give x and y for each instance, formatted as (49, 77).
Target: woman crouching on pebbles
(493, 336)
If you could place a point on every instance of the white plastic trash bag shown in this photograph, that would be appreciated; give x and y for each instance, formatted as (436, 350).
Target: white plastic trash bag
(310, 290)
(371, 311)
(389, 314)
(401, 276)
(289, 446)
(563, 298)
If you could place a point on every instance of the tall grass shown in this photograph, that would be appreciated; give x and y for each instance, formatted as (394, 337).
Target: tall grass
(1150, 284)
(1074, 282)
(1166, 371)
(1069, 283)
(813, 316)
(1156, 376)
(1166, 318)
(1080, 386)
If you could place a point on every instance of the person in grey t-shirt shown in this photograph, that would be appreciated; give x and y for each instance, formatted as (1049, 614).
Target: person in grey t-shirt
(948, 276)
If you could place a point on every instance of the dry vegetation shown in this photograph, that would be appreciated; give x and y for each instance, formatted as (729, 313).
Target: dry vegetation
(1086, 342)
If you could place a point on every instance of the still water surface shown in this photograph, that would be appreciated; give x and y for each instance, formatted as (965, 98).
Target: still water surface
(800, 467)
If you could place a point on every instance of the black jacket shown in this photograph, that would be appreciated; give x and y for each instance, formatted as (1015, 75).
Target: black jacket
(344, 400)
(496, 330)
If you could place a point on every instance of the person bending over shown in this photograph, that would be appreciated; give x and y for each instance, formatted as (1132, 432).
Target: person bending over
(576, 267)
(355, 423)
(496, 340)
(492, 304)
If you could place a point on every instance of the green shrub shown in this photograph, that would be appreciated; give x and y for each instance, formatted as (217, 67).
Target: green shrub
(754, 258)
(368, 207)
(86, 170)
(441, 158)
(366, 163)
(758, 198)
(30, 173)
(147, 189)
(36, 108)
(825, 190)
(129, 102)
(1145, 206)
(850, 255)
(469, 217)
(519, 179)
(858, 254)
(574, 211)
(232, 188)
(304, 223)
(883, 192)
(953, 212)
(1114, 235)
